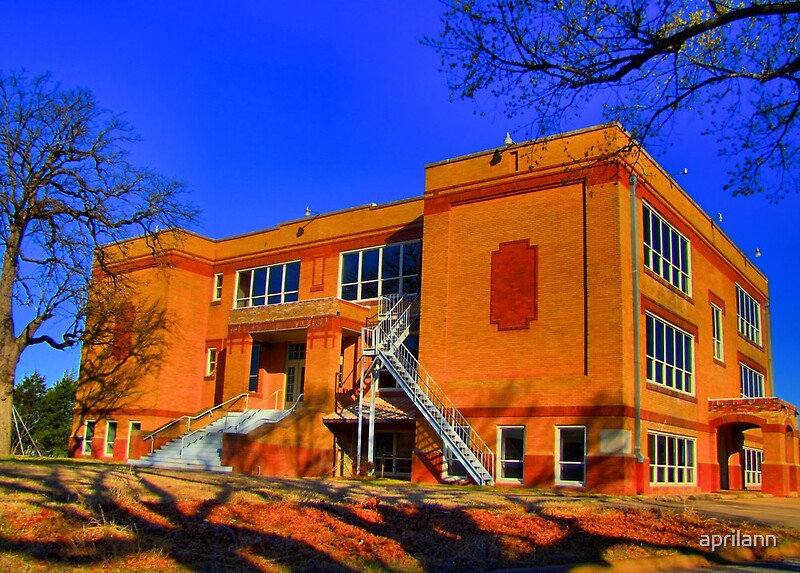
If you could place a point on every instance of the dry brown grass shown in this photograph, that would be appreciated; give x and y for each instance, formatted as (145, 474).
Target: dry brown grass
(78, 516)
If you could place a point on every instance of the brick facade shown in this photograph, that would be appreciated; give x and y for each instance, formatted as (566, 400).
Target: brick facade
(526, 322)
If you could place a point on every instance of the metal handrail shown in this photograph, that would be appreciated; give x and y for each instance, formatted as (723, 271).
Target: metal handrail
(276, 393)
(189, 419)
(387, 338)
(203, 430)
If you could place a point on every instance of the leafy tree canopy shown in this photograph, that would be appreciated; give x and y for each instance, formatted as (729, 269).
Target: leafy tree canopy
(732, 66)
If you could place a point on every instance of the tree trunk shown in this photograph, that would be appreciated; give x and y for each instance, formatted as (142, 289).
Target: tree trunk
(9, 355)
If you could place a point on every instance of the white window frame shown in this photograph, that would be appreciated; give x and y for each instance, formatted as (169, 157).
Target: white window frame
(751, 382)
(86, 445)
(211, 360)
(674, 376)
(359, 282)
(131, 429)
(217, 293)
(752, 460)
(669, 473)
(748, 315)
(717, 333)
(673, 267)
(109, 451)
(247, 300)
(560, 463)
(501, 459)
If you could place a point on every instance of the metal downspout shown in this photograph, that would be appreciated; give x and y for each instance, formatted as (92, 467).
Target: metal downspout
(637, 343)
(371, 440)
(360, 411)
(768, 335)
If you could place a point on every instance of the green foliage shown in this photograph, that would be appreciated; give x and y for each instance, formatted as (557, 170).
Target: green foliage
(47, 412)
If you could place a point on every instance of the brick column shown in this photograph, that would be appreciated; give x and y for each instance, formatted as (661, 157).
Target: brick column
(775, 471)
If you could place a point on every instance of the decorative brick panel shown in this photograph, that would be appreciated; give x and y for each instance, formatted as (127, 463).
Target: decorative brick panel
(514, 282)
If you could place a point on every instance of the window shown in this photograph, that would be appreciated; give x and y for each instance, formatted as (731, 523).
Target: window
(88, 437)
(670, 360)
(134, 427)
(512, 451)
(666, 251)
(749, 316)
(752, 382)
(268, 285)
(295, 371)
(393, 453)
(211, 361)
(111, 437)
(370, 273)
(454, 468)
(753, 459)
(716, 332)
(217, 295)
(571, 455)
(672, 459)
(255, 359)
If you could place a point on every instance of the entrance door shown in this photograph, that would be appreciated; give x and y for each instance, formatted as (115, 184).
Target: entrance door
(295, 373)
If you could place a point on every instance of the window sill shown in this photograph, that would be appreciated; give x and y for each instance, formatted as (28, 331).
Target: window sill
(658, 278)
(670, 392)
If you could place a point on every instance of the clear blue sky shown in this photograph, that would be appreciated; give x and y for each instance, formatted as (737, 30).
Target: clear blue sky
(265, 108)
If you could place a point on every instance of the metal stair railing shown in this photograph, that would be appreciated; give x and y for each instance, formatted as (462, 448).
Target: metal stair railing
(201, 433)
(427, 396)
(190, 419)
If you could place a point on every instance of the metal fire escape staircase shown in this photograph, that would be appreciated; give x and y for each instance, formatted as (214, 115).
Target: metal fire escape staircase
(383, 341)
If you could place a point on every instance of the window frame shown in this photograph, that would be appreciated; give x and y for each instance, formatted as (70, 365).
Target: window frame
(106, 444)
(717, 333)
(660, 259)
(748, 377)
(247, 301)
(748, 319)
(86, 425)
(654, 454)
(752, 461)
(216, 294)
(688, 368)
(502, 460)
(402, 277)
(212, 356)
(560, 462)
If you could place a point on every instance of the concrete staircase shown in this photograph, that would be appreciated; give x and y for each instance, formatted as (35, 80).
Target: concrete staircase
(202, 449)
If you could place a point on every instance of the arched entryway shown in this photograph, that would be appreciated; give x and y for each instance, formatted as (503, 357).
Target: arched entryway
(757, 446)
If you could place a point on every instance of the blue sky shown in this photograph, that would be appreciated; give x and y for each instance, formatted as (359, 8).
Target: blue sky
(265, 108)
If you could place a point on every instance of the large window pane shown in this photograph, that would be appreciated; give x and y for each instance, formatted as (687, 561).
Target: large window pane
(268, 285)
(669, 355)
(375, 272)
(666, 250)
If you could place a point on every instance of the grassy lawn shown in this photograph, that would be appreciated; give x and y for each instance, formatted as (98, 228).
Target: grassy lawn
(63, 515)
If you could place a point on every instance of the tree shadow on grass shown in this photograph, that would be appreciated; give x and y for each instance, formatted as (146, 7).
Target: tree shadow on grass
(55, 523)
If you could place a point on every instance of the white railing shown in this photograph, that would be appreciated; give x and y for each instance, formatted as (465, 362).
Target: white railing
(397, 316)
(190, 419)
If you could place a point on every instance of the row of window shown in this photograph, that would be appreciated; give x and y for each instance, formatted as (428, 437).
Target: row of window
(673, 458)
(366, 274)
(668, 254)
(670, 358)
(110, 439)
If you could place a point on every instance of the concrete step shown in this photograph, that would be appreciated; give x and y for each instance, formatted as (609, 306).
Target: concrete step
(180, 465)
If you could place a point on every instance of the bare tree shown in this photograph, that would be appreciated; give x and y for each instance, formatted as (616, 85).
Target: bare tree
(66, 188)
(733, 66)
